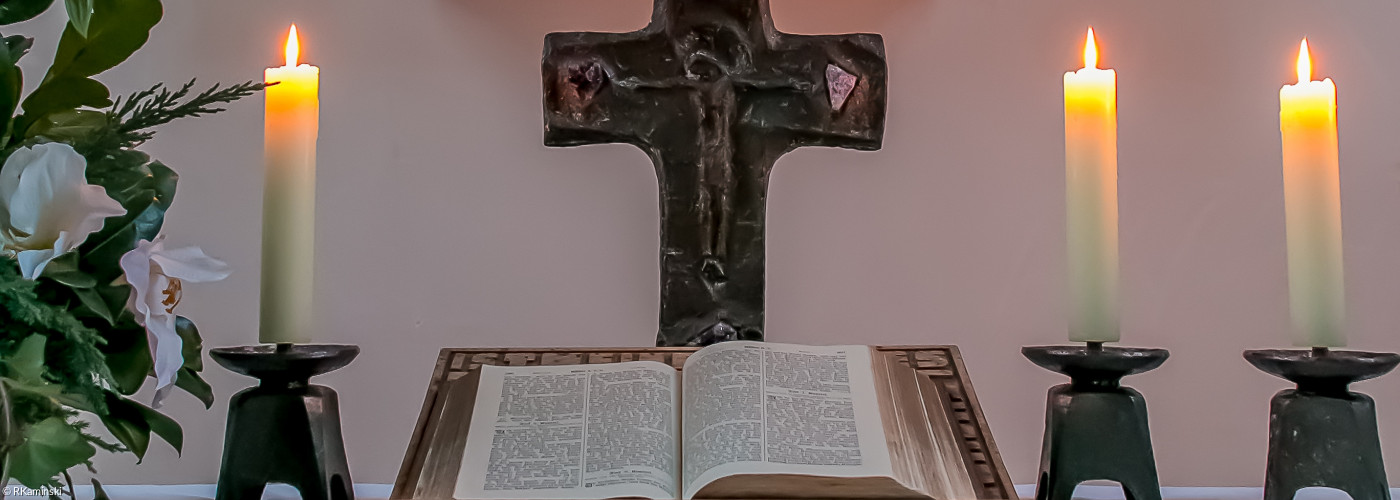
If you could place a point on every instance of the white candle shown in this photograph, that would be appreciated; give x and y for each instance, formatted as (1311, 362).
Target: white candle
(1091, 198)
(1313, 207)
(289, 199)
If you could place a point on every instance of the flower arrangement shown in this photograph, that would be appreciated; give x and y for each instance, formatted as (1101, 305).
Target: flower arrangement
(88, 288)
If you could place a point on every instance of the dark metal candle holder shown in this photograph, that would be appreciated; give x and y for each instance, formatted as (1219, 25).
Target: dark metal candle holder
(285, 430)
(1094, 427)
(1321, 433)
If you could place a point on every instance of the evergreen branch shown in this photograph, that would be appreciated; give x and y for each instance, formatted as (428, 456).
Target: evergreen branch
(130, 119)
(101, 444)
(68, 479)
(74, 362)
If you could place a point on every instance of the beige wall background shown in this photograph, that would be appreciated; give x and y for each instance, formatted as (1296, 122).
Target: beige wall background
(443, 221)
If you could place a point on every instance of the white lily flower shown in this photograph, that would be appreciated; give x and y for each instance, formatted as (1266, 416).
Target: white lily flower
(155, 275)
(47, 208)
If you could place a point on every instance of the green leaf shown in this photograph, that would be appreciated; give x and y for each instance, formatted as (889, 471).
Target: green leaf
(191, 344)
(17, 46)
(116, 297)
(79, 15)
(116, 29)
(97, 491)
(167, 428)
(132, 423)
(69, 126)
(128, 426)
(135, 181)
(64, 269)
(73, 360)
(192, 349)
(43, 390)
(27, 363)
(26, 369)
(93, 302)
(162, 183)
(60, 94)
(77, 402)
(145, 189)
(190, 381)
(11, 81)
(13, 11)
(128, 357)
(50, 447)
(105, 248)
(74, 279)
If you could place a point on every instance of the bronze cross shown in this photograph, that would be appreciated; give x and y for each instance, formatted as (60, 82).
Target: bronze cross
(714, 95)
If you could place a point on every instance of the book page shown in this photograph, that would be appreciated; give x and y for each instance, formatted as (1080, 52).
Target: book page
(924, 449)
(764, 408)
(575, 431)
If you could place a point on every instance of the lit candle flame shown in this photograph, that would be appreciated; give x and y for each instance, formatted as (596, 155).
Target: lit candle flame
(293, 48)
(1304, 63)
(1091, 50)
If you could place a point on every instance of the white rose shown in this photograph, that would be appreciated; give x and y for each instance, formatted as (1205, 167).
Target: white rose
(155, 275)
(47, 208)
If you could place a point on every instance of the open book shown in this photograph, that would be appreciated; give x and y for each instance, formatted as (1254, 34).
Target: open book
(742, 420)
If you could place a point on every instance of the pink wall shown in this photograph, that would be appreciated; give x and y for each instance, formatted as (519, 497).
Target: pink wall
(445, 222)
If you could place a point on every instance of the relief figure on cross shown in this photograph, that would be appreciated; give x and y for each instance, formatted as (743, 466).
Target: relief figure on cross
(714, 95)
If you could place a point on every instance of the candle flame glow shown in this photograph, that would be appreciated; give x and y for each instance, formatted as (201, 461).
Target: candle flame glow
(1091, 50)
(1304, 63)
(293, 47)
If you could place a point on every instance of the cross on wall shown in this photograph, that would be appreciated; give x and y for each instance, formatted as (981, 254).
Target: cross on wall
(714, 95)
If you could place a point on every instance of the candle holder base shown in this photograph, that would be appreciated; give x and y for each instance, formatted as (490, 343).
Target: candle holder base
(285, 430)
(1094, 427)
(1321, 433)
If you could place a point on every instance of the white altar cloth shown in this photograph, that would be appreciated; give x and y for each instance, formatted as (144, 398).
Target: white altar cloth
(381, 491)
